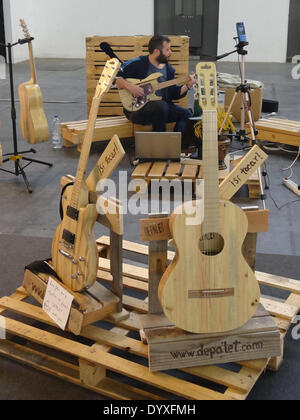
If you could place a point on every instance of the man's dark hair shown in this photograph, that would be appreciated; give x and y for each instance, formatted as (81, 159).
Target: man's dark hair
(157, 42)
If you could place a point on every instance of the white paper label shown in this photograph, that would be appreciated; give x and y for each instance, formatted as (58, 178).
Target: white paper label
(2, 328)
(57, 303)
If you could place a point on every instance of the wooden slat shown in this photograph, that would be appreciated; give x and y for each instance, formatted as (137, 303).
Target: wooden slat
(283, 283)
(190, 172)
(157, 170)
(142, 170)
(282, 310)
(173, 171)
(129, 270)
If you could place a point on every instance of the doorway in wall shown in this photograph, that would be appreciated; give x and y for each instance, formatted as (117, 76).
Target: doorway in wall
(293, 47)
(198, 19)
(2, 32)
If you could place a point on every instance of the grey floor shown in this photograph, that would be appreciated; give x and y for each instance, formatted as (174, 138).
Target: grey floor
(63, 86)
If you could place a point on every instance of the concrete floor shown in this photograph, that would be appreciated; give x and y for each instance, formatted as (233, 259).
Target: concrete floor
(63, 86)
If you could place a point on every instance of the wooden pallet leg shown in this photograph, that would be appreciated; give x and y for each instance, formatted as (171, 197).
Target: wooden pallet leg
(158, 257)
(91, 375)
(254, 190)
(68, 143)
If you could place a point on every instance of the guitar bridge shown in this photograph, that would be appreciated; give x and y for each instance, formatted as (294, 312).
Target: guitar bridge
(210, 293)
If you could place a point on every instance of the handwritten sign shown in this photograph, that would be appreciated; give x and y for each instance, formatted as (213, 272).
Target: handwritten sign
(109, 160)
(57, 303)
(242, 172)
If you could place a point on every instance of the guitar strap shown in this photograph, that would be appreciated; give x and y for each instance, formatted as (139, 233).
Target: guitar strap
(61, 211)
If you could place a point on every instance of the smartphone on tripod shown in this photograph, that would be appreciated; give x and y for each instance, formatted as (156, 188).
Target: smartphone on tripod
(241, 32)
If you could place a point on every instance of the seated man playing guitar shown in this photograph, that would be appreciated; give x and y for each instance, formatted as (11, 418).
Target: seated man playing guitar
(155, 112)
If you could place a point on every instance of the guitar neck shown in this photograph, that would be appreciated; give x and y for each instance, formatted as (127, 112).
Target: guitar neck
(169, 83)
(85, 152)
(32, 63)
(211, 172)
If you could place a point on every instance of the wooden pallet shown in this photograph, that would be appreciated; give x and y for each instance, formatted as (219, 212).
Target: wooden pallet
(172, 171)
(278, 131)
(127, 47)
(92, 363)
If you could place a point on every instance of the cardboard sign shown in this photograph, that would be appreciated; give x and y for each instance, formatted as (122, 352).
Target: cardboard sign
(57, 303)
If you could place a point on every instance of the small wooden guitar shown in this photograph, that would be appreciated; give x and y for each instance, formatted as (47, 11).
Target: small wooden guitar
(74, 250)
(209, 287)
(34, 125)
(150, 85)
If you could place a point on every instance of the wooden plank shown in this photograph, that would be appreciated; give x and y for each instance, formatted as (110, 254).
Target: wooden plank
(258, 221)
(242, 172)
(281, 310)
(112, 362)
(128, 282)
(109, 160)
(173, 171)
(142, 170)
(278, 282)
(158, 250)
(157, 170)
(155, 229)
(189, 172)
(129, 270)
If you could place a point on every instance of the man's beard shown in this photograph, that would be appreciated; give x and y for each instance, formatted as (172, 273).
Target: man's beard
(162, 59)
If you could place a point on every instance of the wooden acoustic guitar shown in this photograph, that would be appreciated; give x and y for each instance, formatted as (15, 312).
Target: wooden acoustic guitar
(33, 121)
(74, 250)
(209, 287)
(150, 85)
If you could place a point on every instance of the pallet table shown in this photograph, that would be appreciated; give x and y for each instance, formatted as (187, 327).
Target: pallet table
(185, 171)
(92, 363)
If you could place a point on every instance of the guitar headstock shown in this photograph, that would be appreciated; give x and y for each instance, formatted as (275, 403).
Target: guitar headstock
(25, 29)
(207, 86)
(107, 77)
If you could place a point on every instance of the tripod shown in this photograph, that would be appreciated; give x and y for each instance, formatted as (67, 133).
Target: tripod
(244, 88)
(17, 156)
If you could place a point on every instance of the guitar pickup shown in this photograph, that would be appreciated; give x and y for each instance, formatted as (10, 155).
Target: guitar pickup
(72, 213)
(68, 237)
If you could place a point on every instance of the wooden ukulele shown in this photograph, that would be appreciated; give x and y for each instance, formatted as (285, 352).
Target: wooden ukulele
(150, 85)
(34, 125)
(209, 287)
(74, 250)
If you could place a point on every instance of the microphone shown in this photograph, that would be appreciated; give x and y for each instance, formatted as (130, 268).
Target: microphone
(105, 47)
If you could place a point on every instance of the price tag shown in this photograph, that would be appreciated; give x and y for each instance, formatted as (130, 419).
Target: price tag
(57, 303)
(2, 328)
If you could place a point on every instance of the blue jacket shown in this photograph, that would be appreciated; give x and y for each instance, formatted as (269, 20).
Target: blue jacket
(137, 68)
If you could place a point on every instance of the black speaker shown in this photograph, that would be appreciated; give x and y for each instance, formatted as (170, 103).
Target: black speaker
(270, 106)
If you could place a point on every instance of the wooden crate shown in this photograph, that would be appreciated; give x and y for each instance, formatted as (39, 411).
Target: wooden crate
(176, 171)
(127, 47)
(278, 131)
(92, 363)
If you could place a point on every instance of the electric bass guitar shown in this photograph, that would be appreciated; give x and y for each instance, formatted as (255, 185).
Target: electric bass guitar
(33, 121)
(74, 250)
(150, 85)
(209, 287)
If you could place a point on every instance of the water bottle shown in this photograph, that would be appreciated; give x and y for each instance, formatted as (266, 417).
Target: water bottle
(56, 137)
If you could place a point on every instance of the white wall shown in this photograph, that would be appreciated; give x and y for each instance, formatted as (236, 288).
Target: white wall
(266, 23)
(61, 26)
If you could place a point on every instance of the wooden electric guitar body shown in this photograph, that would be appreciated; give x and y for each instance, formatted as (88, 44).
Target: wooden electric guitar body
(74, 250)
(33, 121)
(209, 287)
(150, 85)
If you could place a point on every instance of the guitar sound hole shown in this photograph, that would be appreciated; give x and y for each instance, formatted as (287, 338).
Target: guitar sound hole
(211, 244)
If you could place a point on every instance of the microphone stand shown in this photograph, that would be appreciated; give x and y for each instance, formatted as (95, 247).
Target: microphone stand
(17, 156)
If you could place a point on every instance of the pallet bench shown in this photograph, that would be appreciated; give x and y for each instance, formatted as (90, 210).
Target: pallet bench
(111, 119)
(278, 130)
(98, 368)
